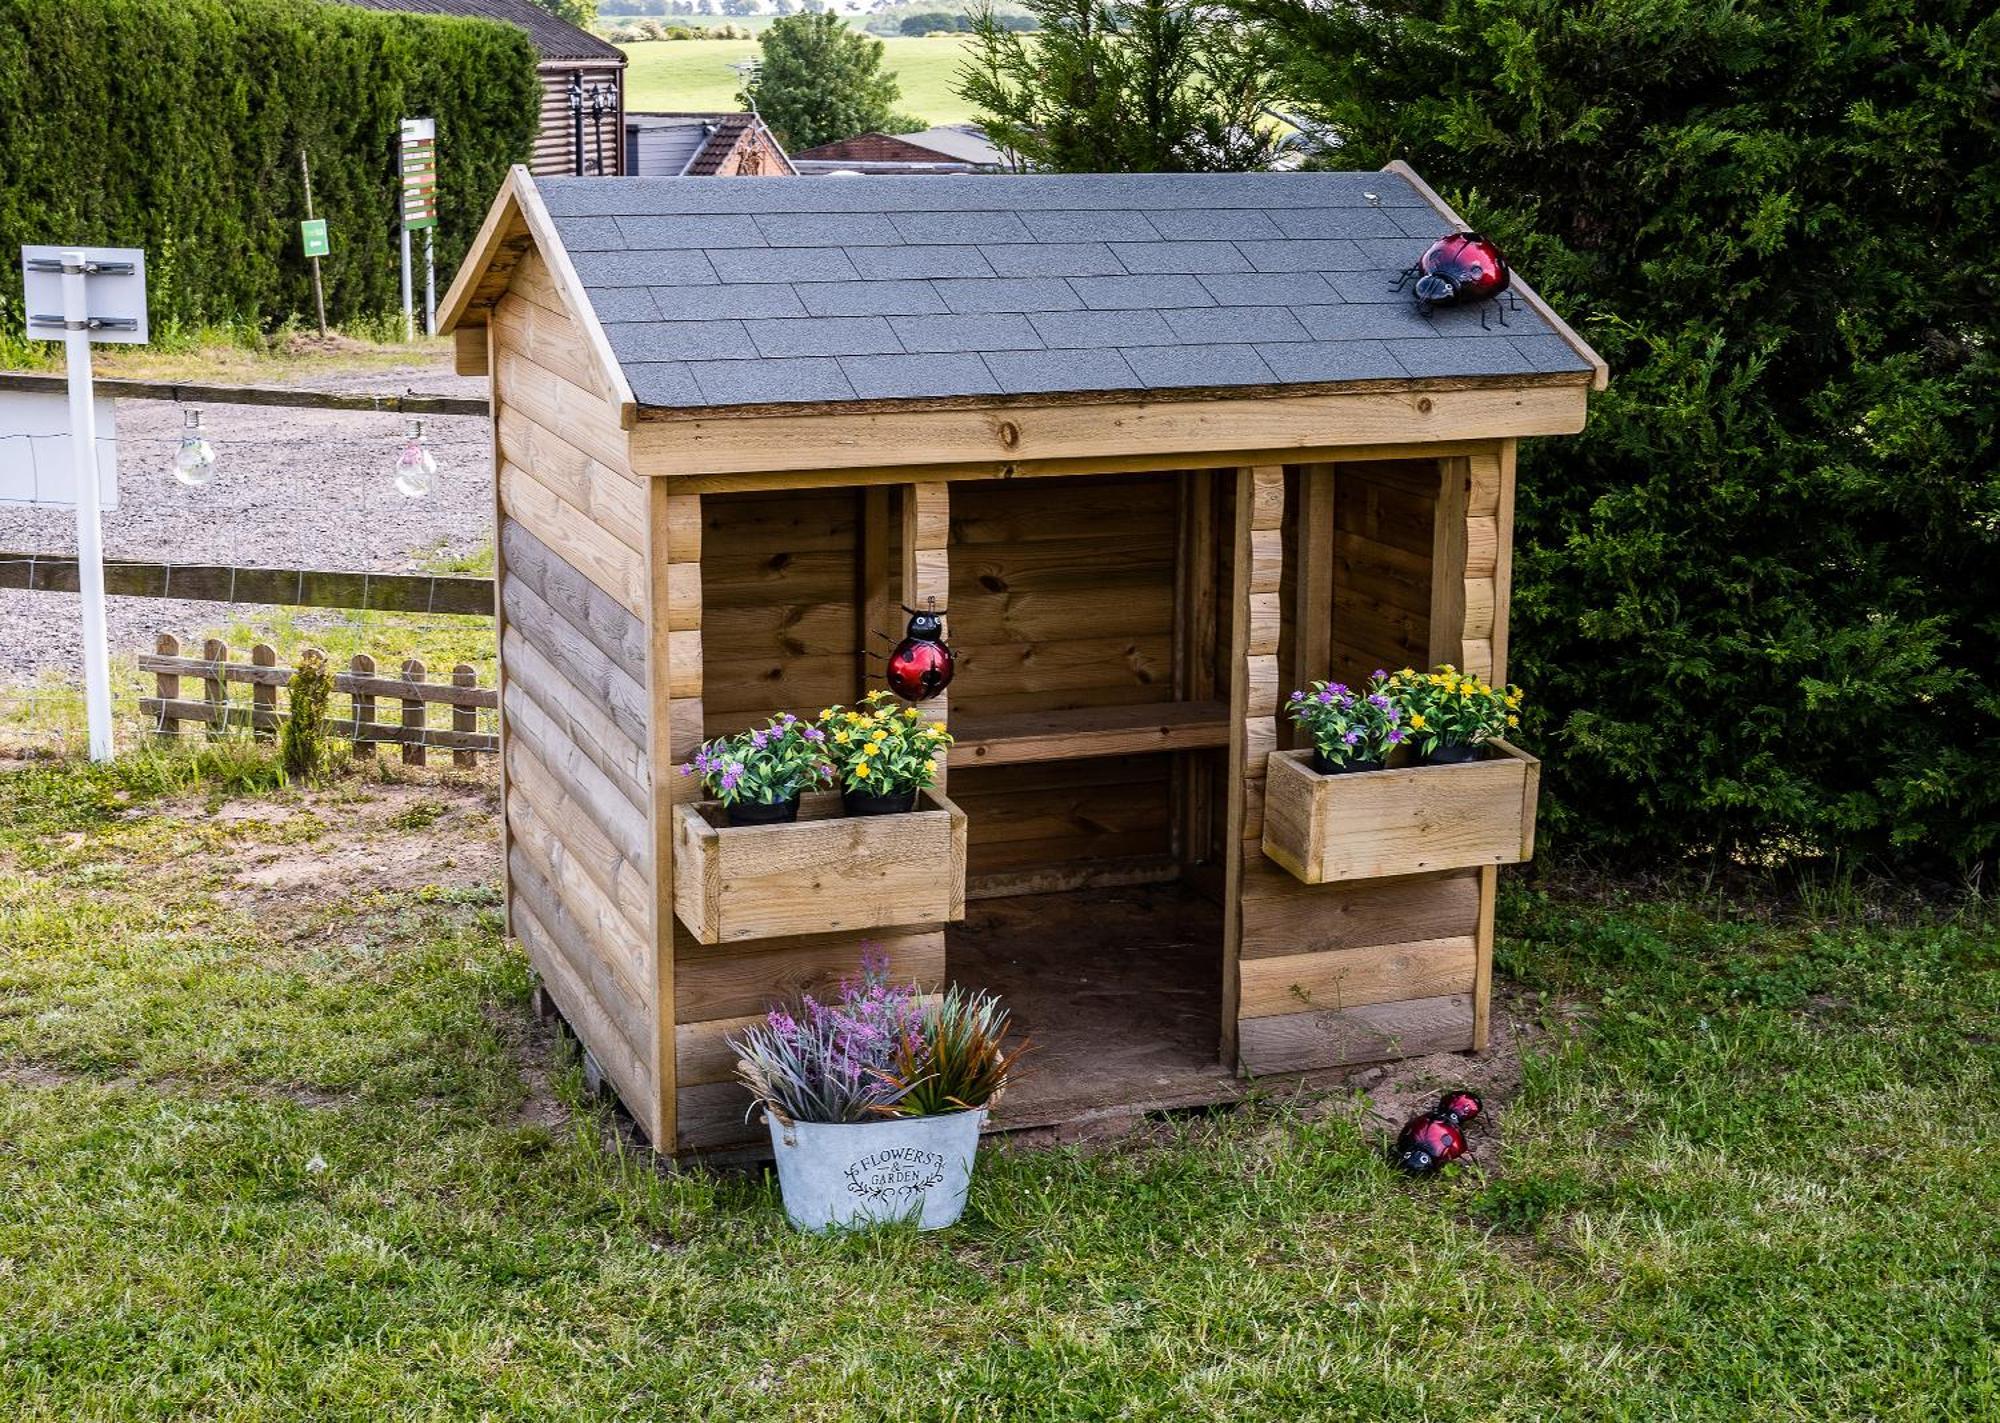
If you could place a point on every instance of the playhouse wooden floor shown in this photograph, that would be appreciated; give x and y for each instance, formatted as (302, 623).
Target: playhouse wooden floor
(1119, 990)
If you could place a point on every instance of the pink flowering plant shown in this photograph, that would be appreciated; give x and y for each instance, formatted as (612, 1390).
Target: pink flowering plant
(1349, 727)
(878, 1049)
(832, 1061)
(766, 765)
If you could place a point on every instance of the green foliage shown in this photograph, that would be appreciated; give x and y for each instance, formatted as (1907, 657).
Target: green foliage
(581, 13)
(176, 126)
(959, 1061)
(302, 745)
(820, 81)
(1760, 596)
(1154, 86)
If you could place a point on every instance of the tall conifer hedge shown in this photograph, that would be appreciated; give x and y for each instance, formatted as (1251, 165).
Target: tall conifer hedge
(1759, 599)
(176, 126)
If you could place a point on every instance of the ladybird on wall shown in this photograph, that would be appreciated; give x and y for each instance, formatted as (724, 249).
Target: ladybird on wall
(922, 663)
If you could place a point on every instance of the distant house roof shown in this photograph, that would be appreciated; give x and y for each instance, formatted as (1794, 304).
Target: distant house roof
(555, 40)
(966, 142)
(874, 148)
(830, 290)
(693, 145)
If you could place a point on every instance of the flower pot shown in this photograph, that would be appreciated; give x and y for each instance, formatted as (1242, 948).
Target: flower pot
(1406, 820)
(1454, 755)
(835, 1175)
(758, 812)
(1327, 768)
(868, 803)
(822, 873)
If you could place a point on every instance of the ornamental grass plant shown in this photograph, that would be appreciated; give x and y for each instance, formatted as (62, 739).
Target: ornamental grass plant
(879, 1049)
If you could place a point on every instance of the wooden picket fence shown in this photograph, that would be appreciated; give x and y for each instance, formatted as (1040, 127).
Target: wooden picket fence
(365, 687)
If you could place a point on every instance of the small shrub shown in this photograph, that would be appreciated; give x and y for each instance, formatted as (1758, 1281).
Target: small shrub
(302, 746)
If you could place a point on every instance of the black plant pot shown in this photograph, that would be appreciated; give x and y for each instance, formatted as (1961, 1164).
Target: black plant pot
(760, 812)
(1455, 755)
(1327, 768)
(868, 803)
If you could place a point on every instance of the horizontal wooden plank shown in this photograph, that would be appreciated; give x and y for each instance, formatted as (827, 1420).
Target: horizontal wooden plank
(967, 704)
(1074, 875)
(1050, 614)
(1066, 850)
(594, 613)
(550, 711)
(1368, 1032)
(538, 810)
(188, 709)
(1057, 666)
(554, 403)
(1283, 916)
(598, 968)
(575, 660)
(613, 500)
(277, 587)
(1022, 737)
(574, 537)
(1215, 429)
(1345, 978)
(630, 1071)
(275, 396)
(380, 686)
(595, 795)
(736, 980)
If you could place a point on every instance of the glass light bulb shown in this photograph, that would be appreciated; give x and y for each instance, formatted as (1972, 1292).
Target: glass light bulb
(194, 461)
(414, 470)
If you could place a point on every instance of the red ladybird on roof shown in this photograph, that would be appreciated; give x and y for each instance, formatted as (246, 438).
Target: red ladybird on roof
(1459, 269)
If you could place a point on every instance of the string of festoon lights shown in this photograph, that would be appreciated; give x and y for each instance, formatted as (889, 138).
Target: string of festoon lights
(415, 469)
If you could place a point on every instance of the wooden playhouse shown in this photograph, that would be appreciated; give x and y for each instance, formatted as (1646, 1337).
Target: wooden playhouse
(1165, 447)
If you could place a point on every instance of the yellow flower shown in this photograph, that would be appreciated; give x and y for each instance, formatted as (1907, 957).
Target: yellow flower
(825, 713)
(938, 727)
(1416, 721)
(1513, 720)
(861, 771)
(854, 718)
(877, 738)
(842, 737)
(869, 749)
(1407, 672)
(910, 712)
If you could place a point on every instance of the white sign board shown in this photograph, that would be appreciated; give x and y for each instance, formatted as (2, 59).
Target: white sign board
(35, 463)
(116, 297)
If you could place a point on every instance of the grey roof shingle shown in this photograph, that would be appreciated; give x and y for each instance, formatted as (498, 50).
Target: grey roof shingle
(818, 290)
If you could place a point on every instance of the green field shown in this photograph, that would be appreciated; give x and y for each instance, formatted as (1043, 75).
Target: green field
(675, 75)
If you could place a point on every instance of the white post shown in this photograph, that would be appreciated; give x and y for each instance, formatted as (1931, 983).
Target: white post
(430, 282)
(89, 527)
(409, 313)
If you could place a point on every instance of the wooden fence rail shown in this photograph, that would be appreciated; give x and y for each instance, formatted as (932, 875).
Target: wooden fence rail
(169, 707)
(286, 587)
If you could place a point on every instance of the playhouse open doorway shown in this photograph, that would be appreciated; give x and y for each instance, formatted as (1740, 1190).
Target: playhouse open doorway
(1091, 713)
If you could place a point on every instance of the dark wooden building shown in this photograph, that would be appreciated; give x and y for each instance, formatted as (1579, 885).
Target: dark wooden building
(582, 129)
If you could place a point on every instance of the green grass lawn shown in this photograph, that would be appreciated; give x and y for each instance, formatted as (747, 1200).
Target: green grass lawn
(278, 1140)
(673, 75)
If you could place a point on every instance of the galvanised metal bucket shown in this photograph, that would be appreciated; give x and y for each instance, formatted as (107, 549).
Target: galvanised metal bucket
(839, 1174)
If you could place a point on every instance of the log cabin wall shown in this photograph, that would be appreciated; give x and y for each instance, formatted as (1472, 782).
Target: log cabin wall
(1388, 564)
(576, 722)
(1063, 597)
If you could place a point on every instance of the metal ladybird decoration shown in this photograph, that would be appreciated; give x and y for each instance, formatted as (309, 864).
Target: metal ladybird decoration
(1459, 269)
(1435, 1138)
(922, 664)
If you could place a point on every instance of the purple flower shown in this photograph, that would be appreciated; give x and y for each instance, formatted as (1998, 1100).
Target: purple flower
(813, 733)
(731, 776)
(1298, 696)
(1378, 675)
(758, 738)
(688, 770)
(1376, 699)
(1396, 737)
(1339, 689)
(1352, 737)
(1326, 696)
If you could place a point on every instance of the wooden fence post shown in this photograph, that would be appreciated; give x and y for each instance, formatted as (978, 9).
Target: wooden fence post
(167, 686)
(463, 716)
(264, 695)
(364, 708)
(413, 715)
(215, 685)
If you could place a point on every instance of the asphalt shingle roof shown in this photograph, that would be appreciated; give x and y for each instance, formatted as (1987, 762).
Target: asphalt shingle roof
(815, 290)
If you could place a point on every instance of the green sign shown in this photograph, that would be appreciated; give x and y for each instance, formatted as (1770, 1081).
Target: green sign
(312, 232)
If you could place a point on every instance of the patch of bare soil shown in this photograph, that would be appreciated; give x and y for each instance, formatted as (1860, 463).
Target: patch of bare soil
(384, 838)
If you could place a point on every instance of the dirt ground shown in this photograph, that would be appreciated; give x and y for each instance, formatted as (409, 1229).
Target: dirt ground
(291, 489)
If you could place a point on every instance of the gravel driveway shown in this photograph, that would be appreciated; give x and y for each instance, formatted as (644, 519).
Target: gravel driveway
(292, 488)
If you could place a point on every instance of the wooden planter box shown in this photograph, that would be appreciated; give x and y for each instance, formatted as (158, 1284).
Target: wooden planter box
(1405, 821)
(827, 872)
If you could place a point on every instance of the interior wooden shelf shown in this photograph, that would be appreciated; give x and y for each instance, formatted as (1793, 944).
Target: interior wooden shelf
(1019, 738)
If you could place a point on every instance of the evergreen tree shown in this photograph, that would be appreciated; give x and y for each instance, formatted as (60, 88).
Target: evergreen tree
(1102, 87)
(820, 81)
(1759, 597)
